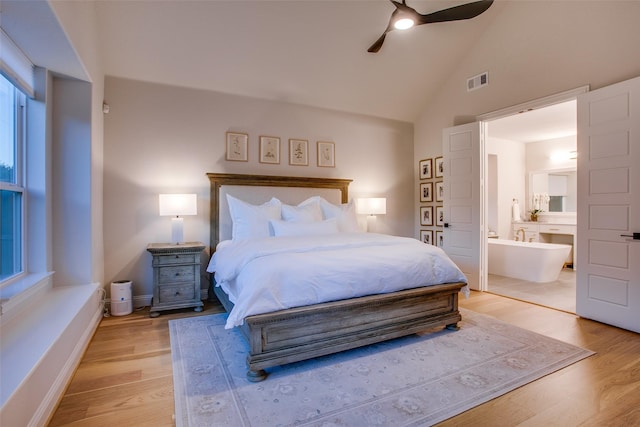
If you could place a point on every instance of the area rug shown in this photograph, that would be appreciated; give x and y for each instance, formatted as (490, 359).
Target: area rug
(417, 380)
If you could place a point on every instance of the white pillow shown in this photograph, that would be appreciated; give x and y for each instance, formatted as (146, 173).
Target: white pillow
(307, 211)
(297, 228)
(251, 221)
(345, 215)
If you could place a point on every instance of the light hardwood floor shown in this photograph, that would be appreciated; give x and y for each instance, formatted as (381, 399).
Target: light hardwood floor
(125, 377)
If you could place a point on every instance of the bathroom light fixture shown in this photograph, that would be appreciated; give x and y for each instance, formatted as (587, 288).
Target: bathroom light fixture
(563, 156)
(371, 206)
(177, 205)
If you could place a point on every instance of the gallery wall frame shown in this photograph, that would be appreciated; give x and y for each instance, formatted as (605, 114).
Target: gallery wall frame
(326, 154)
(439, 167)
(426, 236)
(439, 216)
(426, 215)
(298, 152)
(439, 191)
(425, 166)
(269, 149)
(237, 146)
(426, 192)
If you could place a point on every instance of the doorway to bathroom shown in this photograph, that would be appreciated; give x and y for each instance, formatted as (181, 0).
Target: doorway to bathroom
(530, 163)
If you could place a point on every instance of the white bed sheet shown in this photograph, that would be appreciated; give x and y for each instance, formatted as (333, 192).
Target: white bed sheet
(276, 273)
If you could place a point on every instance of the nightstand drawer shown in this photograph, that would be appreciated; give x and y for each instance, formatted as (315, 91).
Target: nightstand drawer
(178, 273)
(161, 260)
(176, 293)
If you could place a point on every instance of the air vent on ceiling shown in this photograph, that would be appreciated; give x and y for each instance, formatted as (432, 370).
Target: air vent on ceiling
(476, 82)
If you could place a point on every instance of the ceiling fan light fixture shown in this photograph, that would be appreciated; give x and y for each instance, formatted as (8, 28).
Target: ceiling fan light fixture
(403, 24)
(404, 17)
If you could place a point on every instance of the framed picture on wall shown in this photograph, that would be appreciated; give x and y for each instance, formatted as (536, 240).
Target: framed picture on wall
(439, 215)
(439, 191)
(426, 236)
(426, 215)
(426, 191)
(425, 169)
(439, 167)
(439, 238)
(270, 149)
(326, 154)
(237, 147)
(298, 152)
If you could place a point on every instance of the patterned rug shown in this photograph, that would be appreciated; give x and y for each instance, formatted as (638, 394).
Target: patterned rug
(417, 380)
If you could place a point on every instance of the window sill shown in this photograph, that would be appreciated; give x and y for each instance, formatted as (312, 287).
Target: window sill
(20, 291)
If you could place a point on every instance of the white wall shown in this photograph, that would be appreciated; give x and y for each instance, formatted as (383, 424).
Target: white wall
(79, 22)
(532, 50)
(511, 180)
(161, 139)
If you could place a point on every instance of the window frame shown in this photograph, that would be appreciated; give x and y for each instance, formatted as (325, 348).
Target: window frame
(19, 186)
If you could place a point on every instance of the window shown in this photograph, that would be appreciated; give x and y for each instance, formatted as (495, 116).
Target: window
(12, 191)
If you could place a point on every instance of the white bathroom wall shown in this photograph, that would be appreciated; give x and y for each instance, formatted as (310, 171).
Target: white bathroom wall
(511, 180)
(493, 221)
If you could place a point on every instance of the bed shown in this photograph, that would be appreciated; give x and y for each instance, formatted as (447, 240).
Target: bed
(302, 332)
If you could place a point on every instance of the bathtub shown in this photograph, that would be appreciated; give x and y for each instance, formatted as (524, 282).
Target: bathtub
(531, 261)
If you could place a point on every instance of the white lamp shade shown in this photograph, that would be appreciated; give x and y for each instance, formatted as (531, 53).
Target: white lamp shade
(371, 206)
(178, 204)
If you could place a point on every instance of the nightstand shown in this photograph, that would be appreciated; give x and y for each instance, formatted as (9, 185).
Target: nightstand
(176, 276)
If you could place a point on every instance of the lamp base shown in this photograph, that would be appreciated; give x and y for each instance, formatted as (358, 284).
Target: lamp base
(371, 223)
(177, 236)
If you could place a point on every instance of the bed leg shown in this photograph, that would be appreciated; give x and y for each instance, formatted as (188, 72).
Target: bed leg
(452, 327)
(256, 376)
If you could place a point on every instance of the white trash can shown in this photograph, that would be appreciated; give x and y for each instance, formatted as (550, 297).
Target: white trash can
(121, 300)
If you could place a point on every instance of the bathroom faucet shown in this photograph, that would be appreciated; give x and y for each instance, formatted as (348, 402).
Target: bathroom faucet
(518, 233)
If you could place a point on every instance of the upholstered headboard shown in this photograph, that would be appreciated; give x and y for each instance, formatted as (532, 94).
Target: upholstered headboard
(257, 189)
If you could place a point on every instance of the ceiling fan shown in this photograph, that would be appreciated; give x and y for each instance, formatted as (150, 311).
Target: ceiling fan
(405, 17)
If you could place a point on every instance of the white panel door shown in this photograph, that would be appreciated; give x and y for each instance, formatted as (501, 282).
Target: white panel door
(463, 205)
(608, 280)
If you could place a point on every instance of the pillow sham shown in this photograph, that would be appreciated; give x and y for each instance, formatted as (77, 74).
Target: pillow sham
(345, 214)
(307, 211)
(298, 228)
(252, 221)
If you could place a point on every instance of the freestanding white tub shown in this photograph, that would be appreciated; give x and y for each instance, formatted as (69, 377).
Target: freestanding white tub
(531, 261)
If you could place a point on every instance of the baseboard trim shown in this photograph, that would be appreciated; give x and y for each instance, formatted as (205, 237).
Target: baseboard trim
(49, 404)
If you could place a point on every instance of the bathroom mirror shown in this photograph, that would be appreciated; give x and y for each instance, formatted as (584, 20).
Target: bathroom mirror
(560, 185)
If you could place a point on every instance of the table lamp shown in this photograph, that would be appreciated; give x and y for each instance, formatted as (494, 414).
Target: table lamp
(177, 205)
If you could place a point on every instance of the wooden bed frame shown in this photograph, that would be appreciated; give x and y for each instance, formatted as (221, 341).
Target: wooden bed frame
(306, 332)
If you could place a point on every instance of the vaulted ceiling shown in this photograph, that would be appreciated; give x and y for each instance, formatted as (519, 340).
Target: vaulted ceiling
(311, 52)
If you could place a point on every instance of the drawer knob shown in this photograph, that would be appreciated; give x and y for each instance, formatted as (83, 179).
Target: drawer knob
(177, 274)
(177, 293)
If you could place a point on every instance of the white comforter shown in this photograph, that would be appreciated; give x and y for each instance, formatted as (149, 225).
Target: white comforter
(275, 273)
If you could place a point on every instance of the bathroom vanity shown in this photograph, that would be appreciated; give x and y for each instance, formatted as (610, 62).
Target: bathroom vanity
(548, 232)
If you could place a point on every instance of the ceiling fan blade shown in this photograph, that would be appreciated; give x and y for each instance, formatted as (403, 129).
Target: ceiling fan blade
(378, 44)
(456, 13)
